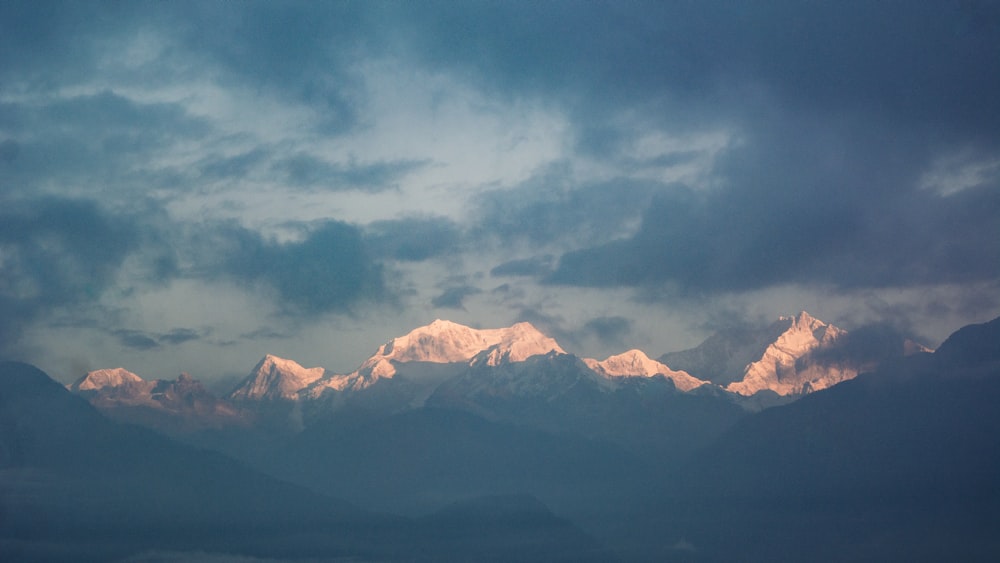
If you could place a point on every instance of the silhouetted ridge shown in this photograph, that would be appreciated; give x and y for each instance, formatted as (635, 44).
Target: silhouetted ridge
(19, 377)
(972, 344)
(897, 464)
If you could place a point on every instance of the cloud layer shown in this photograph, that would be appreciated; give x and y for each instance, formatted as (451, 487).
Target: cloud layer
(385, 164)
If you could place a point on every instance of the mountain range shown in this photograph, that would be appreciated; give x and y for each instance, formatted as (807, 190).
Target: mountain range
(792, 441)
(791, 357)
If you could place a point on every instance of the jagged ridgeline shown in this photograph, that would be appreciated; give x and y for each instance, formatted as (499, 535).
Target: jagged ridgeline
(448, 364)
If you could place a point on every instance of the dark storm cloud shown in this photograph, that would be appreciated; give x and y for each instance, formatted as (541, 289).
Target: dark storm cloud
(866, 345)
(837, 112)
(812, 199)
(9, 150)
(237, 167)
(534, 266)
(302, 51)
(40, 41)
(299, 51)
(264, 333)
(330, 269)
(413, 239)
(135, 339)
(141, 340)
(304, 170)
(454, 297)
(609, 330)
(752, 237)
(93, 143)
(179, 336)
(929, 62)
(56, 253)
(61, 256)
(550, 207)
(682, 63)
(552, 324)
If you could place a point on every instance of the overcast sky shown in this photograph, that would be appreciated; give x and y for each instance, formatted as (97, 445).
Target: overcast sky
(186, 186)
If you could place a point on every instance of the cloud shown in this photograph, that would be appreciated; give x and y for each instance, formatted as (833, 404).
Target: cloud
(553, 208)
(93, 145)
(9, 150)
(807, 203)
(834, 121)
(307, 171)
(141, 340)
(328, 270)
(55, 253)
(909, 63)
(264, 333)
(73, 263)
(414, 239)
(685, 149)
(608, 330)
(136, 339)
(299, 52)
(217, 167)
(454, 297)
(179, 336)
(534, 266)
(866, 345)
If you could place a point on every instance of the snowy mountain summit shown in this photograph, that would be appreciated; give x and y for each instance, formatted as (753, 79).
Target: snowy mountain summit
(101, 378)
(785, 357)
(791, 356)
(275, 378)
(448, 342)
(635, 363)
(171, 406)
(440, 342)
(780, 368)
(445, 342)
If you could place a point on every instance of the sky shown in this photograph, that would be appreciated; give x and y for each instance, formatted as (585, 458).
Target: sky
(187, 186)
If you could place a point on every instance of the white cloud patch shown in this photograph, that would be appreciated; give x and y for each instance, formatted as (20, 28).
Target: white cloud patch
(960, 171)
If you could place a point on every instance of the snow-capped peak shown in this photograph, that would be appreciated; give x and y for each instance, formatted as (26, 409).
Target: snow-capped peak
(805, 333)
(276, 378)
(448, 342)
(777, 370)
(99, 379)
(635, 363)
(442, 342)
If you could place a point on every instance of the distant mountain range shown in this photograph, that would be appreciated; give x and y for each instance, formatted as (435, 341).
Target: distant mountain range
(446, 362)
(788, 442)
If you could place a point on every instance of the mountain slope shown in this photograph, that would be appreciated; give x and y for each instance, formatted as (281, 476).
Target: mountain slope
(447, 342)
(72, 480)
(275, 379)
(77, 486)
(792, 356)
(99, 379)
(423, 459)
(176, 408)
(779, 368)
(441, 342)
(899, 464)
(560, 393)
